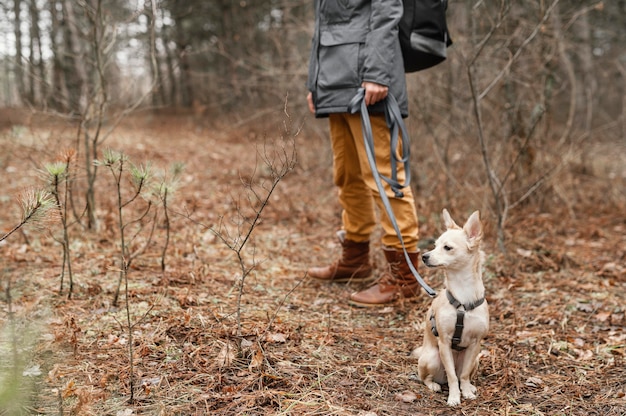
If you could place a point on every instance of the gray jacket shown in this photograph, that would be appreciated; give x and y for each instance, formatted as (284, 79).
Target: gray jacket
(355, 41)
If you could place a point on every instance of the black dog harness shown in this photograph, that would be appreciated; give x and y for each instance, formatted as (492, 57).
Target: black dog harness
(460, 315)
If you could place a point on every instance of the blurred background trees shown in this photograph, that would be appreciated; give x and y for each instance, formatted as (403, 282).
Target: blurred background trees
(526, 85)
(226, 54)
(218, 53)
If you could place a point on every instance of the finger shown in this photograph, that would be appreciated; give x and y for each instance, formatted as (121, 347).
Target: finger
(309, 99)
(375, 97)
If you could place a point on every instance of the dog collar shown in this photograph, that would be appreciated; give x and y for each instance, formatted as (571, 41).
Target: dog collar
(468, 307)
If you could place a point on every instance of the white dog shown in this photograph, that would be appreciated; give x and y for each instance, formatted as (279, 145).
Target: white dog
(458, 318)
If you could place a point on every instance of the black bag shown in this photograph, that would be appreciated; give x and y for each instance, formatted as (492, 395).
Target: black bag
(424, 34)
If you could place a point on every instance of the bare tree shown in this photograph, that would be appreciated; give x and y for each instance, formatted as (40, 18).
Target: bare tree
(59, 96)
(158, 96)
(18, 66)
(36, 73)
(528, 94)
(75, 60)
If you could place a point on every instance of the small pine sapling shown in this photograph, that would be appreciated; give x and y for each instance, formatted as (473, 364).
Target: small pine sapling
(58, 177)
(38, 210)
(163, 189)
(120, 167)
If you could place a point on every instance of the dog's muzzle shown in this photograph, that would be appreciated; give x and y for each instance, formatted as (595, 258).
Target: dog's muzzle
(426, 259)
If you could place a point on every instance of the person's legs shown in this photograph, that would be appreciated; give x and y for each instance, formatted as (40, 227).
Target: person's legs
(358, 215)
(397, 281)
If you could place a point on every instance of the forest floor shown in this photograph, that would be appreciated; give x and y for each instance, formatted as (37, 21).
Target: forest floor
(285, 344)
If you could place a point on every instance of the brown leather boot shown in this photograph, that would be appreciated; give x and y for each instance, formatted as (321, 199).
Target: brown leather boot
(396, 283)
(354, 265)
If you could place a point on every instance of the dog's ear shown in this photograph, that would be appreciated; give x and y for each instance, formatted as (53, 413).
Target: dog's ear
(473, 227)
(448, 221)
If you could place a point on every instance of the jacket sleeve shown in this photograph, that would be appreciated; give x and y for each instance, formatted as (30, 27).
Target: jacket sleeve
(380, 45)
(313, 63)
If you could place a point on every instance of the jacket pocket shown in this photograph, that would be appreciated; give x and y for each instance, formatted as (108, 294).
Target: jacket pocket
(336, 11)
(339, 66)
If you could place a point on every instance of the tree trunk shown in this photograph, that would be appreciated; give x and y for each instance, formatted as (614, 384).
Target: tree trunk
(19, 69)
(173, 86)
(31, 78)
(158, 94)
(37, 73)
(58, 98)
(182, 43)
(588, 76)
(74, 71)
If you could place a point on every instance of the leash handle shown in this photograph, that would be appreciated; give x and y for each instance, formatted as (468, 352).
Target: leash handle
(393, 117)
(395, 123)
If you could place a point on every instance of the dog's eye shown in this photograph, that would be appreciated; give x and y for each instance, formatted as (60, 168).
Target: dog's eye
(447, 248)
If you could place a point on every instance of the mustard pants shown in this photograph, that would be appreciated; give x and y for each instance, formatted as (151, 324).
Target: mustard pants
(358, 194)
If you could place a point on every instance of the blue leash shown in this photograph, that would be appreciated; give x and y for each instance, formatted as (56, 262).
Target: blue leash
(395, 123)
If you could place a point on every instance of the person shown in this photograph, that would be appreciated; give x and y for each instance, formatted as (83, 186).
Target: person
(355, 45)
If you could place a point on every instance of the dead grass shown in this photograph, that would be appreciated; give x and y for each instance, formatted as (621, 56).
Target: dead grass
(556, 344)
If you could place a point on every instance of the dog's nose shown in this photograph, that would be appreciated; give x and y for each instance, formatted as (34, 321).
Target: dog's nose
(425, 258)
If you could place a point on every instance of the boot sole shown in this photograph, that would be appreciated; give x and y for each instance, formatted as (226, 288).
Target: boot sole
(346, 279)
(371, 305)
(380, 305)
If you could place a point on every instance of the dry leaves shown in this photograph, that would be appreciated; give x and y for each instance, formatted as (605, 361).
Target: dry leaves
(557, 341)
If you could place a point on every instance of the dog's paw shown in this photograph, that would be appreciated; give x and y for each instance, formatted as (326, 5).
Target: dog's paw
(468, 389)
(436, 387)
(454, 399)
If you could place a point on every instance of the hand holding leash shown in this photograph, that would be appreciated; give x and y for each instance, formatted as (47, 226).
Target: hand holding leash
(374, 92)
